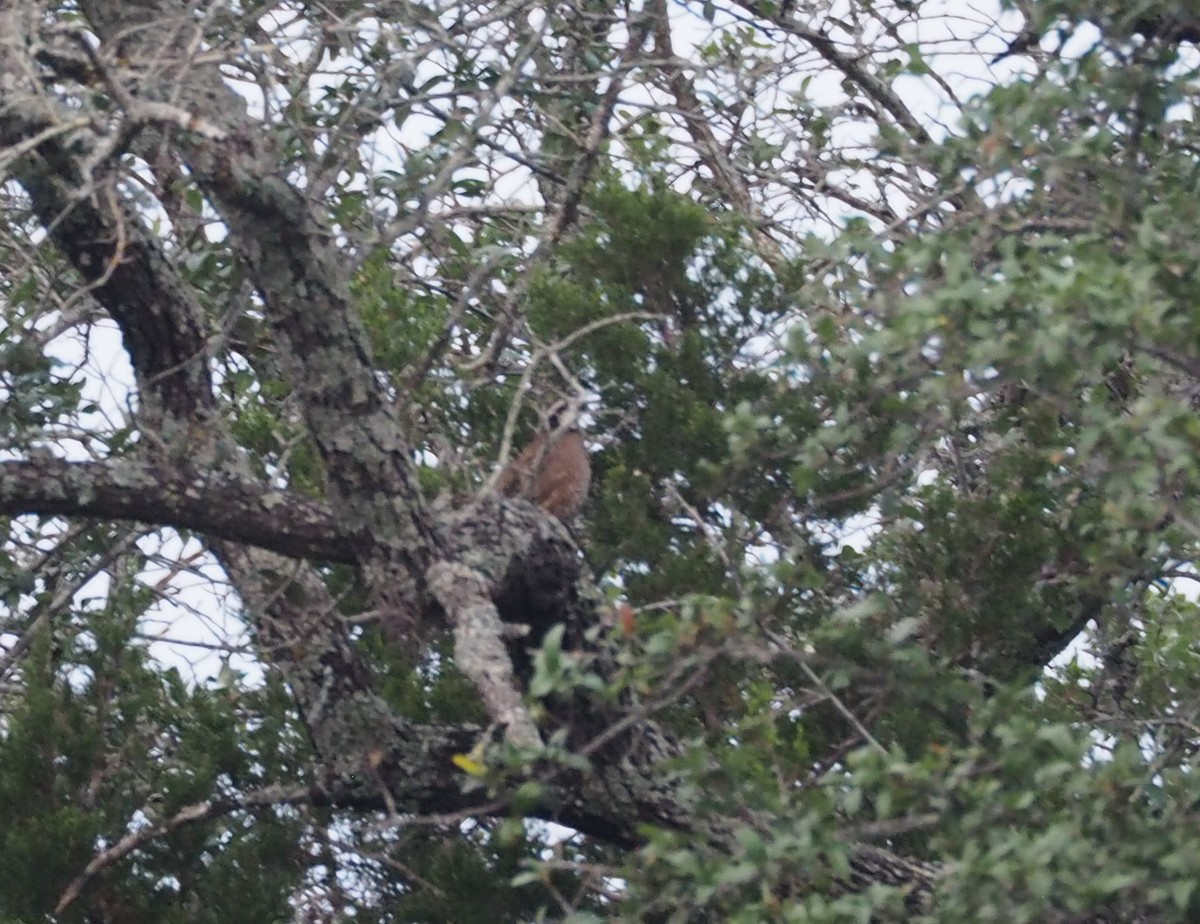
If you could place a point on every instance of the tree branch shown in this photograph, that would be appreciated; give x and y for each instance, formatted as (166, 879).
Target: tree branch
(217, 505)
(479, 647)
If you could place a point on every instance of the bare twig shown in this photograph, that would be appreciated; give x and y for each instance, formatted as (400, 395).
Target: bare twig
(200, 811)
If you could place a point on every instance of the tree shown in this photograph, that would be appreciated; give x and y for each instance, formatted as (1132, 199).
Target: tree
(881, 608)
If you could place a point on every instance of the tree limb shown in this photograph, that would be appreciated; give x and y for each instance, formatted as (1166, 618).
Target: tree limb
(218, 505)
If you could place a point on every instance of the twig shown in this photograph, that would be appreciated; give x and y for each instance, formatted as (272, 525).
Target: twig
(201, 811)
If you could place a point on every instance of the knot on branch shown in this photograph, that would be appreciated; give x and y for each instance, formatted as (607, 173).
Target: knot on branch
(528, 559)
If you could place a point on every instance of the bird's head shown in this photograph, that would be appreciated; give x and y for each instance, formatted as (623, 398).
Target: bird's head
(563, 415)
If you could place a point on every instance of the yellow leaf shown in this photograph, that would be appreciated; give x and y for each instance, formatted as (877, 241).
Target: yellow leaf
(468, 764)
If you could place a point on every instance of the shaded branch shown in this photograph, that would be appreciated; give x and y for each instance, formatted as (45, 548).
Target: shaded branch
(217, 505)
(63, 162)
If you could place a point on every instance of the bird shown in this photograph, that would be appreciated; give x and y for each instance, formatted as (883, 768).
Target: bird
(553, 471)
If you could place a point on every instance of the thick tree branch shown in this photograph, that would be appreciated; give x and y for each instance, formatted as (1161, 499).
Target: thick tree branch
(217, 505)
(62, 163)
(326, 357)
(479, 647)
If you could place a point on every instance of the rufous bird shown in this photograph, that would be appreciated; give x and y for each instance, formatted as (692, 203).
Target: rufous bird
(553, 471)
